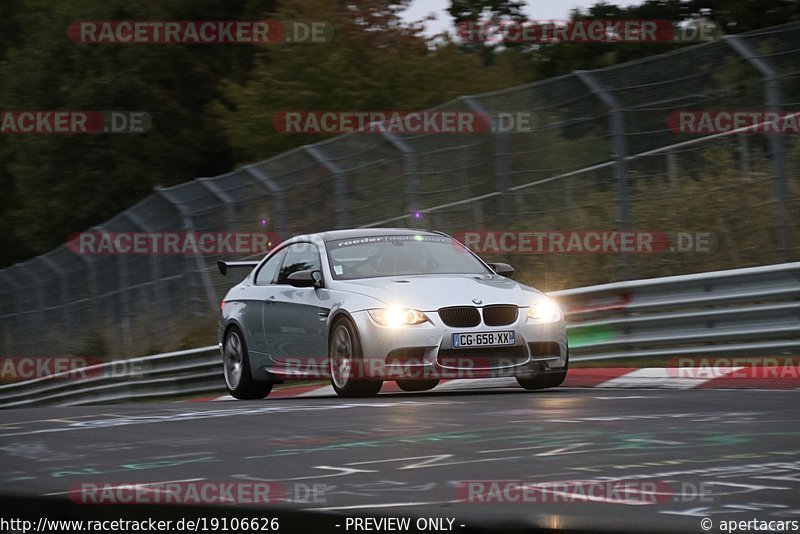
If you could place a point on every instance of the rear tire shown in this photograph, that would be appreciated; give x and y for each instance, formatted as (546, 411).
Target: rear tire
(236, 369)
(345, 362)
(418, 385)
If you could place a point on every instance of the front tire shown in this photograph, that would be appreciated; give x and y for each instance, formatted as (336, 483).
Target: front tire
(548, 380)
(236, 369)
(345, 362)
(418, 385)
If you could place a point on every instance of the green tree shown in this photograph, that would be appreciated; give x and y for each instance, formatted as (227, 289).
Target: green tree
(727, 16)
(466, 12)
(375, 61)
(54, 185)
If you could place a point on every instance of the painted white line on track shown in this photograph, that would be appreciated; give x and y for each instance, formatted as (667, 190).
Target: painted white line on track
(379, 505)
(132, 485)
(659, 377)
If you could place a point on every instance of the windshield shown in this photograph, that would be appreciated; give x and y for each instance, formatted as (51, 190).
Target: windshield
(400, 255)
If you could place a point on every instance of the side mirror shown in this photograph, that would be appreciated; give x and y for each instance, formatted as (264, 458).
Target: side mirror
(503, 269)
(305, 279)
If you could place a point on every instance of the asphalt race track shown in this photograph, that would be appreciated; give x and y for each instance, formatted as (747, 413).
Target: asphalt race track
(717, 454)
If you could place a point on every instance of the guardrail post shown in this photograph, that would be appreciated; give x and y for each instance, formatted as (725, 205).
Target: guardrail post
(772, 101)
(501, 162)
(619, 153)
(342, 214)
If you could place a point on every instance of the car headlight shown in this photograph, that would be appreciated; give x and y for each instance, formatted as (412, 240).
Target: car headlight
(397, 316)
(545, 310)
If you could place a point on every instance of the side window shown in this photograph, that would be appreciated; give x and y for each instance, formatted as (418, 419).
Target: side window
(266, 275)
(299, 257)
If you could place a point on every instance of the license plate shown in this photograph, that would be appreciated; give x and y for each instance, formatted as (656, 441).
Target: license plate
(483, 339)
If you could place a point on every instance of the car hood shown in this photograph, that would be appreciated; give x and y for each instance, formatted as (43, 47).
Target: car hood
(431, 292)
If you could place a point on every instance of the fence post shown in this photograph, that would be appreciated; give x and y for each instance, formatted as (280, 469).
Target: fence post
(477, 213)
(62, 293)
(160, 289)
(619, 153)
(411, 171)
(126, 305)
(501, 158)
(743, 147)
(281, 224)
(672, 168)
(342, 214)
(772, 101)
(10, 324)
(93, 315)
(37, 322)
(223, 197)
(188, 225)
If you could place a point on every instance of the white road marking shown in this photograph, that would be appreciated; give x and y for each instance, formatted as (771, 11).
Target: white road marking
(135, 485)
(379, 505)
(661, 377)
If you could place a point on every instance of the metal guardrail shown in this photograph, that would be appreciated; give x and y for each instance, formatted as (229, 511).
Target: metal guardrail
(171, 374)
(754, 311)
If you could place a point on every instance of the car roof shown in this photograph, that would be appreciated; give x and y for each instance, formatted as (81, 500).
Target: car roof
(352, 233)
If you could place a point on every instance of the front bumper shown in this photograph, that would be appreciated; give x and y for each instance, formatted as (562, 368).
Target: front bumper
(426, 350)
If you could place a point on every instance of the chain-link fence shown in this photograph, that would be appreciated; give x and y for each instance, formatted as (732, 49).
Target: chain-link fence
(600, 156)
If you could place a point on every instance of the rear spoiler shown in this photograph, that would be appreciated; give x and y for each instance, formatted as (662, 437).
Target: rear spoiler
(223, 265)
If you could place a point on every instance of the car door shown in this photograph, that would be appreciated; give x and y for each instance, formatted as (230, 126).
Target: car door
(258, 294)
(295, 323)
